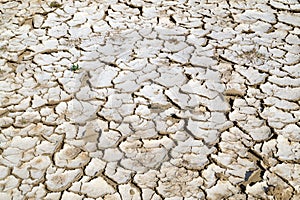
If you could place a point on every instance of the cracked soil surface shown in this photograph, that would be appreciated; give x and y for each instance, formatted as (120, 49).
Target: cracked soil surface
(149, 99)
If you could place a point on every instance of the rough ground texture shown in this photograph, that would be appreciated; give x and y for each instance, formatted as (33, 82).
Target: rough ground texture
(132, 99)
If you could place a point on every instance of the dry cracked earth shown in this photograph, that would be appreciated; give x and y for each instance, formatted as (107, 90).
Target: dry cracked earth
(149, 99)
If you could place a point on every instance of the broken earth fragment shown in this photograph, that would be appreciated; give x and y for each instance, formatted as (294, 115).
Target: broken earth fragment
(61, 179)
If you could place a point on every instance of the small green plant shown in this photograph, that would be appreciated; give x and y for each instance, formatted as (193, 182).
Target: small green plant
(74, 67)
(23, 121)
(55, 4)
(2, 71)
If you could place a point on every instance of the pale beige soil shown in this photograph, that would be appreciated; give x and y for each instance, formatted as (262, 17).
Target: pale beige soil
(154, 99)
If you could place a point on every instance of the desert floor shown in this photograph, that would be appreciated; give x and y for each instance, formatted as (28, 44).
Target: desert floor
(149, 99)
